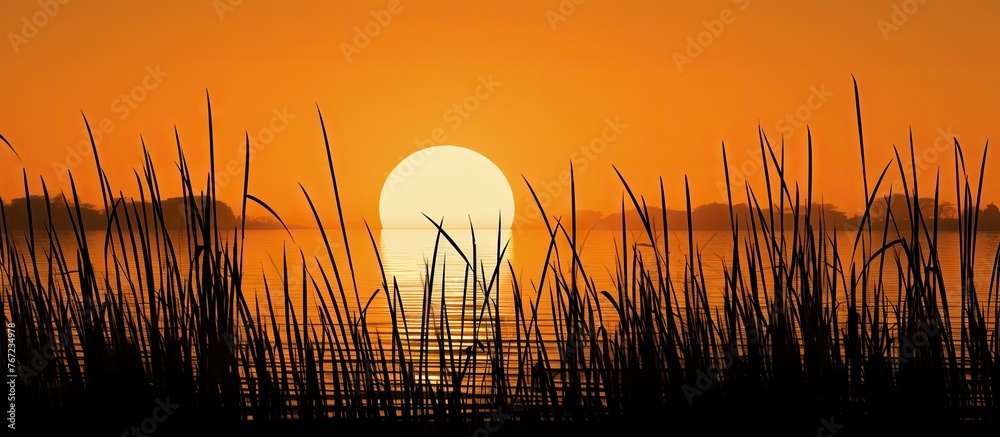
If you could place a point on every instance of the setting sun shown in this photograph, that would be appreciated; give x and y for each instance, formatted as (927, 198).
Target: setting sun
(449, 182)
(532, 217)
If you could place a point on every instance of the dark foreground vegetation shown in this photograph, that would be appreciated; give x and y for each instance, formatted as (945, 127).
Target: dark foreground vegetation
(805, 343)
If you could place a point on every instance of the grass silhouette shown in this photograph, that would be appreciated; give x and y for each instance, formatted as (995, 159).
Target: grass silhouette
(804, 336)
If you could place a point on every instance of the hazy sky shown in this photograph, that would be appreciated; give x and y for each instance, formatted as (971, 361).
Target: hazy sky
(652, 87)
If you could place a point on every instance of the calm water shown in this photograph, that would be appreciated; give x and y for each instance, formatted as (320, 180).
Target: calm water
(405, 256)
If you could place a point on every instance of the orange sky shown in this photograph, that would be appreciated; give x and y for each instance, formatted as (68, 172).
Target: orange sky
(557, 79)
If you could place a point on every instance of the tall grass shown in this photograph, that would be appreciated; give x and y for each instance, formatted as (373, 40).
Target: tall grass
(803, 334)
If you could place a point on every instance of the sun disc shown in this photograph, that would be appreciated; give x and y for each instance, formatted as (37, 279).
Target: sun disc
(446, 182)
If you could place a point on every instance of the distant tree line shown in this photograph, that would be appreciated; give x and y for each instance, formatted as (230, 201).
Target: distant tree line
(15, 214)
(716, 216)
(712, 216)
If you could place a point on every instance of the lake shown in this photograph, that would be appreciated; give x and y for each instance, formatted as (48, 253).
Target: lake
(405, 257)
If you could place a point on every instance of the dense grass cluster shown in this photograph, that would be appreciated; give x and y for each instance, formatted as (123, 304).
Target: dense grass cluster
(805, 337)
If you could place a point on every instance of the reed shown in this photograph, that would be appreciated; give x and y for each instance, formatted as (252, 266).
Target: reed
(804, 332)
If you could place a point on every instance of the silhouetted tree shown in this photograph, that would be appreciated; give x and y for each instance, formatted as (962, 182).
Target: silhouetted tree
(989, 219)
(947, 210)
